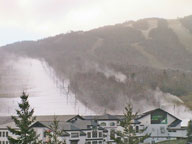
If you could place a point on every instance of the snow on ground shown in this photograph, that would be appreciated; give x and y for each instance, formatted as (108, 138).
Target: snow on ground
(153, 23)
(182, 33)
(48, 95)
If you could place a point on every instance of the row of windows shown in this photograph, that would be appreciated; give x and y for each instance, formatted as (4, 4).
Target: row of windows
(105, 124)
(3, 134)
(172, 131)
(94, 142)
(4, 142)
(74, 135)
(94, 134)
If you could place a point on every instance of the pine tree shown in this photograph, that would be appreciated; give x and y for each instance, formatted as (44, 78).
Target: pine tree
(55, 133)
(128, 135)
(189, 131)
(23, 134)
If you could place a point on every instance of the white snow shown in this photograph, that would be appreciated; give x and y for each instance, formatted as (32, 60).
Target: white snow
(48, 95)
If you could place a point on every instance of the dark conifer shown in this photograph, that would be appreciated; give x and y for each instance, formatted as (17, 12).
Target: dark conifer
(24, 134)
(54, 133)
(129, 133)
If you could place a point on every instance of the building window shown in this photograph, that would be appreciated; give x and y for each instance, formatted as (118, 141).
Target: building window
(74, 142)
(94, 134)
(6, 134)
(0, 134)
(94, 142)
(171, 130)
(103, 124)
(89, 126)
(112, 124)
(100, 142)
(104, 135)
(162, 129)
(158, 117)
(137, 129)
(100, 134)
(89, 134)
(89, 142)
(3, 134)
(74, 135)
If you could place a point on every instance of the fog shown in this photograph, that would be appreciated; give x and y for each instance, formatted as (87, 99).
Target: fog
(47, 94)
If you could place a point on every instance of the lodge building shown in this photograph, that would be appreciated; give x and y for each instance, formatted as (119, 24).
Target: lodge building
(98, 129)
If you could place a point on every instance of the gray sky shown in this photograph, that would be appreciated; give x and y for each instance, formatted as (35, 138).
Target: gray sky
(34, 19)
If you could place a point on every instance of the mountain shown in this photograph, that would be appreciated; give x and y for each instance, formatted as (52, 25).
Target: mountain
(147, 62)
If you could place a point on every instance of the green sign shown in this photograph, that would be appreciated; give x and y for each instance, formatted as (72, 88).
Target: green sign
(159, 117)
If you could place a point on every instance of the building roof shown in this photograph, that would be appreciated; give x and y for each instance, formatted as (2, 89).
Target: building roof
(8, 119)
(75, 118)
(62, 126)
(176, 128)
(40, 124)
(175, 123)
(120, 116)
(103, 117)
(85, 124)
(5, 119)
(151, 111)
(136, 122)
(51, 117)
(9, 124)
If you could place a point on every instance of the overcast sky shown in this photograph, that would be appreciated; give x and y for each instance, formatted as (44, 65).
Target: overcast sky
(34, 19)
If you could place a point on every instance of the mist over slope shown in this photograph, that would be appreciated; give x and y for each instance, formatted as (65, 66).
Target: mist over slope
(147, 62)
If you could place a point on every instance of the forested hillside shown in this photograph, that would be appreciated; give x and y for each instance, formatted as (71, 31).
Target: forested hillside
(136, 61)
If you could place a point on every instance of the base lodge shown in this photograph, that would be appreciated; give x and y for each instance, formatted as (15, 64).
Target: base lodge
(98, 129)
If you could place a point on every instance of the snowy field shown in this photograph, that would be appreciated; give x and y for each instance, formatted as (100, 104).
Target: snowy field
(47, 94)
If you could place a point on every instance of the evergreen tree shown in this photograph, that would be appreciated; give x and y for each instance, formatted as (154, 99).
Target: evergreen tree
(189, 131)
(128, 135)
(55, 133)
(23, 133)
